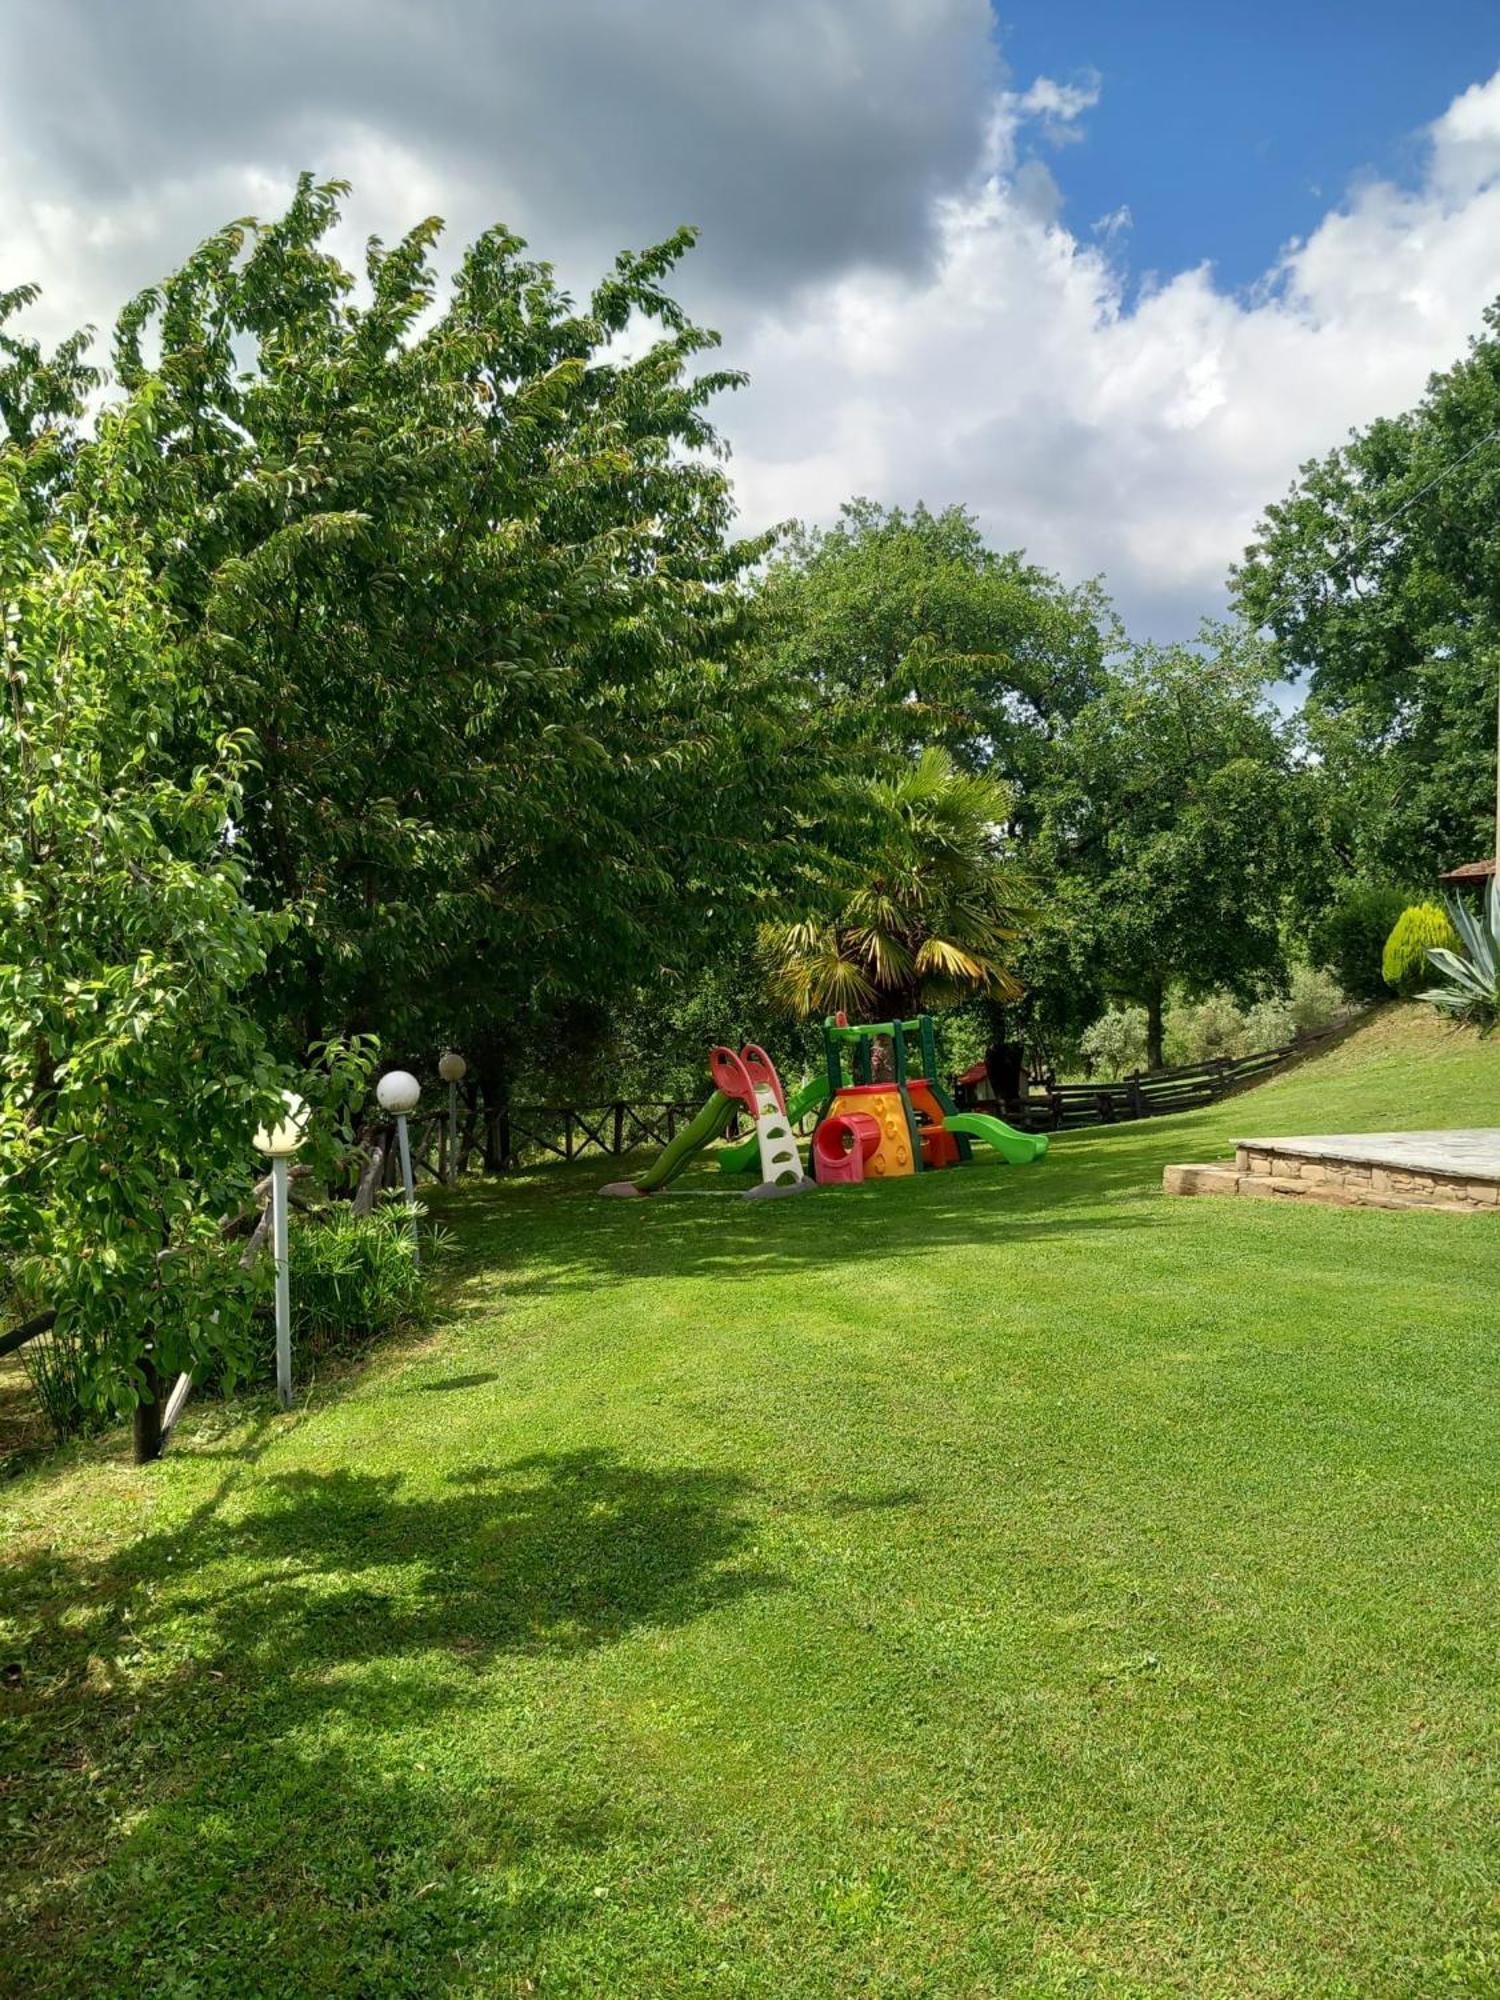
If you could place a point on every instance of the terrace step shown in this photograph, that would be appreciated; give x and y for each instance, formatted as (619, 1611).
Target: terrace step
(1458, 1172)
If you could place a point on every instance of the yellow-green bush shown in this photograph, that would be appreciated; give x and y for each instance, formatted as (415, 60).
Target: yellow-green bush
(1417, 930)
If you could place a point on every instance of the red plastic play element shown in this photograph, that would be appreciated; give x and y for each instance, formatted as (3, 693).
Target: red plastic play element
(939, 1147)
(842, 1144)
(760, 1069)
(732, 1077)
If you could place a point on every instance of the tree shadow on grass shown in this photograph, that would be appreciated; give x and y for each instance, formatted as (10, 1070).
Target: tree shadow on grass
(238, 1735)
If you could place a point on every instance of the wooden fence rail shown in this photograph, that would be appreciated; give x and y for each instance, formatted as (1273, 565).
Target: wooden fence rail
(1152, 1093)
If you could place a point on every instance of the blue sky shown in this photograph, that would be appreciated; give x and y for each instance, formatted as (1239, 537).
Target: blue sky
(1227, 129)
(897, 201)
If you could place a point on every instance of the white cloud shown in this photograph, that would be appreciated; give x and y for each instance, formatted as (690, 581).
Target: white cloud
(1058, 106)
(883, 247)
(1137, 438)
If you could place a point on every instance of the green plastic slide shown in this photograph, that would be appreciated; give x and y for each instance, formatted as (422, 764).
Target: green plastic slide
(745, 1153)
(1020, 1148)
(671, 1160)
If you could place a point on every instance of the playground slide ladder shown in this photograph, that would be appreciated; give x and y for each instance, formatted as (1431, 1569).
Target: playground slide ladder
(740, 1155)
(750, 1077)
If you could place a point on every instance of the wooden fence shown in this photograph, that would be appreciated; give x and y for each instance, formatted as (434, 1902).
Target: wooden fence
(1149, 1094)
(522, 1135)
(529, 1134)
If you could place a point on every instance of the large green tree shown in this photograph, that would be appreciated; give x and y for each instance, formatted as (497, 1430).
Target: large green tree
(1379, 576)
(133, 1069)
(911, 625)
(1167, 831)
(463, 567)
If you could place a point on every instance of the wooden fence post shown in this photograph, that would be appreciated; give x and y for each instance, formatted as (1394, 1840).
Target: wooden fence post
(568, 1133)
(619, 1146)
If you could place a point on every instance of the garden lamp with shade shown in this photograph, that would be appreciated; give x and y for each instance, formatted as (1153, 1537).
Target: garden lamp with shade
(279, 1142)
(452, 1069)
(399, 1092)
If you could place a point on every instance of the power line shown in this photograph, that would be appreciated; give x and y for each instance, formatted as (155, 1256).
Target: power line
(1349, 555)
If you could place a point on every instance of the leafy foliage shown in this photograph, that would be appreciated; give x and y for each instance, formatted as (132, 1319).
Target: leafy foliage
(354, 1277)
(1349, 937)
(1166, 830)
(911, 624)
(1417, 931)
(1216, 1025)
(1115, 1044)
(1379, 575)
(132, 1069)
(133, 1066)
(931, 918)
(461, 570)
(1470, 988)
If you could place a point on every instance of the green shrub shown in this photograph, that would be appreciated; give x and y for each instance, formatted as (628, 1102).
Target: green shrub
(1315, 1002)
(1351, 935)
(59, 1367)
(353, 1278)
(1418, 930)
(1199, 1030)
(1115, 1044)
(1468, 975)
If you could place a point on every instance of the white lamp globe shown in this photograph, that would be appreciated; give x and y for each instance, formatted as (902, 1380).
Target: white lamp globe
(451, 1066)
(285, 1137)
(398, 1091)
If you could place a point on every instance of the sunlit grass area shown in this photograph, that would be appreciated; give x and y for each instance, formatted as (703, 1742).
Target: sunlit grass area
(1003, 1582)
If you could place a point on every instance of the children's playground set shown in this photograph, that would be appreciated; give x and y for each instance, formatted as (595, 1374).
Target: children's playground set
(867, 1128)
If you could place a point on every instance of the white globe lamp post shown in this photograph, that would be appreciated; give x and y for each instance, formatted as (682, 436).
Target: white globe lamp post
(452, 1069)
(278, 1142)
(399, 1092)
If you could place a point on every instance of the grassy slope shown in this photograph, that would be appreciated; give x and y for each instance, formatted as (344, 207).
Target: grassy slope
(1004, 1582)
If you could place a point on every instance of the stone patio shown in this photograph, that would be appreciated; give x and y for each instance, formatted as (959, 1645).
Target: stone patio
(1458, 1171)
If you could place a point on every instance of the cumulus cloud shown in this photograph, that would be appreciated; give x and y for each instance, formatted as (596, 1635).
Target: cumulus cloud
(803, 136)
(885, 245)
(1137, 438)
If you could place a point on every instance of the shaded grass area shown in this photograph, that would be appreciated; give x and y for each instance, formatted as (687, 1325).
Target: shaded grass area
(1002, 1582)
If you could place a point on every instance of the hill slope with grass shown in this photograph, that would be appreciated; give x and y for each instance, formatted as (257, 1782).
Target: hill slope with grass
(1003, 1582)
(1405, 1067)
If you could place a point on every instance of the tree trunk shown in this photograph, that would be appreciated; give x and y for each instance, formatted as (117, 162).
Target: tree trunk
(1155, 1057)
(494, 1082)
(470, 1125)
(147, 1427)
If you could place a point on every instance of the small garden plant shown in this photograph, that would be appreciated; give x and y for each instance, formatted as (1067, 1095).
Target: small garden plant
(1419, 930)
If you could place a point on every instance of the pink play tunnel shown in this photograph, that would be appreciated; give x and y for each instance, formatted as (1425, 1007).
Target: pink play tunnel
(842, 1144)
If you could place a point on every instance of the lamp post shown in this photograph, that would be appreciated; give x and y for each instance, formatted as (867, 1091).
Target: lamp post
(452, 1069)
(278, 1143)
(398, 1092)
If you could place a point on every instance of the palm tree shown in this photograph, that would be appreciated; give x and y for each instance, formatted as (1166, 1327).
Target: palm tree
(931, 918)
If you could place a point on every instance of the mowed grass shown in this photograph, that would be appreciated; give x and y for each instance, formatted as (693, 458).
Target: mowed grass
(1003, 1582)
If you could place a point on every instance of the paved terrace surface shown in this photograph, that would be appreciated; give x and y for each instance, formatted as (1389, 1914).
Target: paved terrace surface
(1471, 1152)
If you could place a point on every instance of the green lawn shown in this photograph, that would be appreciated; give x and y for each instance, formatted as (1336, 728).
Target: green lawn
(1003, 1582)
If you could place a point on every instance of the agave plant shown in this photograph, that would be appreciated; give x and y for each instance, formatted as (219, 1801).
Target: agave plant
(1471, 976)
